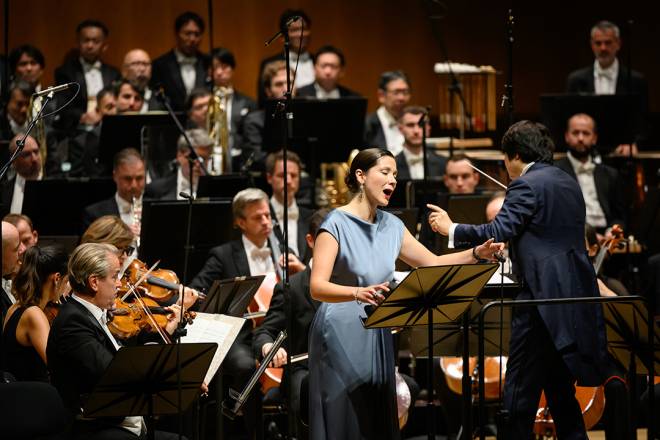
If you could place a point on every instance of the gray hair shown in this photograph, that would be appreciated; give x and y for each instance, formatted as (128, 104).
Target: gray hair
(244, 198)
(605, 26)
(198, 138)
(89, 259)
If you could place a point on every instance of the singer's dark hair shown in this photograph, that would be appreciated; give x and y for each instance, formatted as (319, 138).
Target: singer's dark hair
(391, 75)
(530, 140)
(330, 49)
(38, 264)
(364, 160)
(288, 13)
(93, 23)
(224, 56)
(25, 49)
(187, 16)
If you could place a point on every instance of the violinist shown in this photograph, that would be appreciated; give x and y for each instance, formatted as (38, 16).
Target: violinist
(80, 345)
(40, 280)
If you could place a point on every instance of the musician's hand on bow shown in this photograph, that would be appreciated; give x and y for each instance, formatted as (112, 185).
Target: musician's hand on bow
(295, 265)
(439, 219)
(280, 357)
(489, 249)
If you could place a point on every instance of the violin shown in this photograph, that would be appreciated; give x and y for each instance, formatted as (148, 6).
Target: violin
(608, 247)
(129, 319)
(162, 285)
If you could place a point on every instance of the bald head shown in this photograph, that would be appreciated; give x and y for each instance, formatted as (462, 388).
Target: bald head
(137, 67)
(12, 248)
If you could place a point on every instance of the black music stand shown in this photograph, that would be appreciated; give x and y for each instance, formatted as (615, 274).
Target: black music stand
(429, 296)
(223, 186)
(142, 381)
(163, 232)
(231, 296)
(66, 197)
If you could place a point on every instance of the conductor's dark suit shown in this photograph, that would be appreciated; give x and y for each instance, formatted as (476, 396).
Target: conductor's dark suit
(543, 220)
(608, 190)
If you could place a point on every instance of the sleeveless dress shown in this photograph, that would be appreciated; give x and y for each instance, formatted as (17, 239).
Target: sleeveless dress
(24, 363)
(352, 386)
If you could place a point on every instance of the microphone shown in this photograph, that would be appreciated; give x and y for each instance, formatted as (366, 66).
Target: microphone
(499, 257)
(185, 195)
(54, 89)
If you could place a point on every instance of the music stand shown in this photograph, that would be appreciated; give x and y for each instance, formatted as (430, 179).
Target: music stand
(231, 296)
(142, 381)
(428, 296)
(66, 197)
(223, 186)
(212, 225)
(618, 117)
(131, 130)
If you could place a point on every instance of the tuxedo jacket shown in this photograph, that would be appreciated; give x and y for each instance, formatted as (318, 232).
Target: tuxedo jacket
(72, 71)
(608, 190)
(6, 194)
(99, 209)
(79, 352)
(303, 227)
(582, 81)
(309, 91)
(374, 135)
(436, 165)
(166, 72)
(543, 220)
(303, 310)
(84, 154)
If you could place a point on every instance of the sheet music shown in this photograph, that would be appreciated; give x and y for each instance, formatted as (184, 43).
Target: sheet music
(208, 327)
(495, 280)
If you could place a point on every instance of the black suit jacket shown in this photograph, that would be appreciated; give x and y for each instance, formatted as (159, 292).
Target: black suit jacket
(436, 165)
(166, 72)
(582, 81)
(241, 107)
(84, 154)
(303, 226)
(608, 190)
(543, 218)
(303, 310)
(6, 194)
(309, 91)
(252, 134)
(78, 351)
(72, 71)
(374, 135)
(99, 209)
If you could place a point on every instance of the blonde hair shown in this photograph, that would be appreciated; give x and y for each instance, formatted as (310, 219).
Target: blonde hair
(244, 198)
(108, 229)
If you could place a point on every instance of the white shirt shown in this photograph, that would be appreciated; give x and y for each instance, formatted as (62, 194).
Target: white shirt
(15, 127)
(187, 69)
(452, 228)
(147, 96)
(585, 177)
(415, 163)
(605, 78)
(305, 74)
(322, 94)
(393, 137)
(183, 185)
(133, 424)
(126, 212)
(260, 259)
(6, 286)
(293, 214)
(93, 81)
(19, 194)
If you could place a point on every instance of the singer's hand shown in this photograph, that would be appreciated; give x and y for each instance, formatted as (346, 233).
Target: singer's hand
(439, 219)
(372, 294)
(489, 249)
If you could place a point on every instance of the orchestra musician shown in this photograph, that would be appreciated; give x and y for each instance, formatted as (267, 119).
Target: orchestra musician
(551, 346)
(41, 279)
(80, 345)
(28, 166)
(329, 63)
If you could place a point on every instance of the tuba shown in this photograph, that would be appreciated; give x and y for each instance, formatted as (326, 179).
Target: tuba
(217, 126)
(39, 128)
(331, 188)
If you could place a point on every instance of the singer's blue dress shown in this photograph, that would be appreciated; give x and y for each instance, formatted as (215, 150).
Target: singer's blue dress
(352, 388)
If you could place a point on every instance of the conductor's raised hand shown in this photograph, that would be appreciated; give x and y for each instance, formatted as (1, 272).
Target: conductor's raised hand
(489, 250)
(439, 219)
(372, 294)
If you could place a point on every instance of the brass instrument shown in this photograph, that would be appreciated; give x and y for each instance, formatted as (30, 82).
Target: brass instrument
(136, 207)
(218, 128)
(39, 128)
(331, 188)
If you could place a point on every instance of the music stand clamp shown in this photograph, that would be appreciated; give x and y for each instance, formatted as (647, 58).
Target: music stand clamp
(142, 381)
(428, 296)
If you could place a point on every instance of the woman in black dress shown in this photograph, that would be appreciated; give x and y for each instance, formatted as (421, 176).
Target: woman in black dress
(40, 280)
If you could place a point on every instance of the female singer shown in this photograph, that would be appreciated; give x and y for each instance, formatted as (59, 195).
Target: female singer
(352, 382)
(40, 279)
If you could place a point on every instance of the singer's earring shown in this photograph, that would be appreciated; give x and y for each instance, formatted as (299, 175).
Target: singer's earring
(361, 193)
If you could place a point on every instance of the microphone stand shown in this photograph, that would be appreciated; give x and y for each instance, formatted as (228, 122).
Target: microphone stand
(507, 97)
(20, 144)
(283, 109)
(425, 162)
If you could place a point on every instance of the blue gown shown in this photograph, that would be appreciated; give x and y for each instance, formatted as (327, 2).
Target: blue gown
(352, 387)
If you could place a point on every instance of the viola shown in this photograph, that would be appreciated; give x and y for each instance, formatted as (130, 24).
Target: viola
(608, 247)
